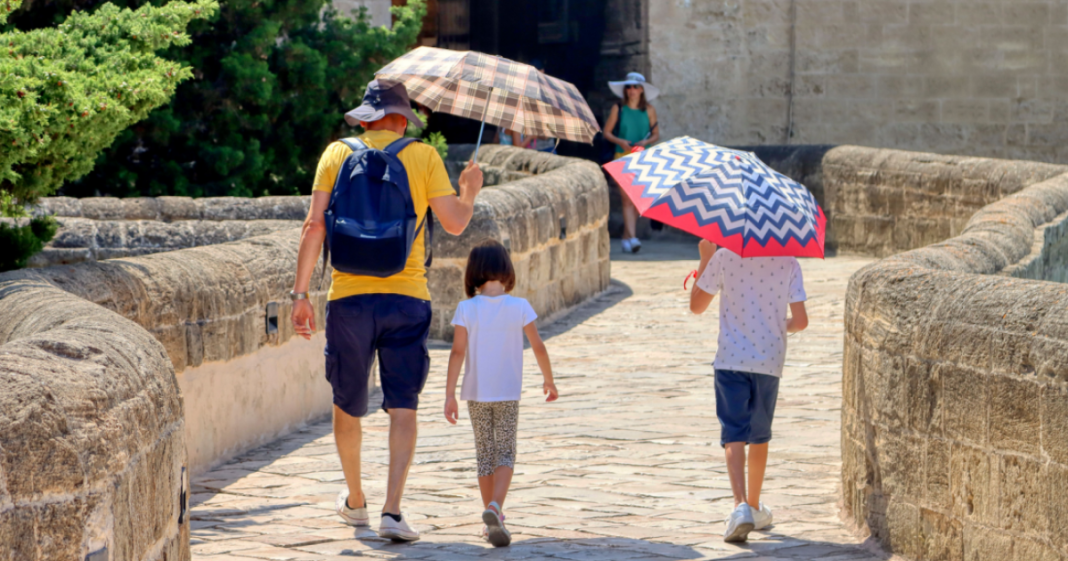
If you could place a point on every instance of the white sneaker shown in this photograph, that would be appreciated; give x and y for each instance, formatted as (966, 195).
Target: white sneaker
(499, 536)
(762, 517)
(627, 248)
(635, 245)
(397, 531)
(351, 516)
(739, 524)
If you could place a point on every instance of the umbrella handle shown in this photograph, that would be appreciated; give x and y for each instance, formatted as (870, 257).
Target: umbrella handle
(483, 127)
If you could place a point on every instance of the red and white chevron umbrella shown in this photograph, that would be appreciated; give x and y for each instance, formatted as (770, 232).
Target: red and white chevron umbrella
(728, 197)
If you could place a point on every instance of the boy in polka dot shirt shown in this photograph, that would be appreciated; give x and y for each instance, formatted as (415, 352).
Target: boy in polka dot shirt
(762, 300)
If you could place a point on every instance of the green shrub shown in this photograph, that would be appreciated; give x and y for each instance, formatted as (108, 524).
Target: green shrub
(272, 79)
(19, 243)
(66, 92)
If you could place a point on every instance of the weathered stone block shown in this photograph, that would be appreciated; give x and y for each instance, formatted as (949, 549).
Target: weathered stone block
(937, 469)
(1015, 414)
(1021, 488)
(981, 544)
(975, 485)
(943, 537)
(905, 531)
(966, 417)
(1054, 413)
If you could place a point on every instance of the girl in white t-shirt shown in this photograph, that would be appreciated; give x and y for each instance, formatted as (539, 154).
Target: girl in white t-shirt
(489, 333)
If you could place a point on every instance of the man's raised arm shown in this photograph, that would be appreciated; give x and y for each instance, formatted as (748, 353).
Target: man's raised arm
(455, 213)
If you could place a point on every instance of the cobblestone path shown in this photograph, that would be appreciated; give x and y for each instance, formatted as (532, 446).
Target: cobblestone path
(626, 465)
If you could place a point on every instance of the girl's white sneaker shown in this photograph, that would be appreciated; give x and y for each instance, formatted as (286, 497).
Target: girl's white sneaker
(352, 516)
(635, 245)
(499, 536)
(397, 530)
(627, 248)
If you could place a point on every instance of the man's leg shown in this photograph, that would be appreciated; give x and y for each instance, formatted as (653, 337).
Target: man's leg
(403, 430)
(348, 434)
(758, 462)
(736, 470)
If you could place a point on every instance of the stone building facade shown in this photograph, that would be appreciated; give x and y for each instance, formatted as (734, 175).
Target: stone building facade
(983, 78)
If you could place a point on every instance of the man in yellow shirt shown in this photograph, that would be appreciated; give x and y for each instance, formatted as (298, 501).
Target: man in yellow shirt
(388, 316)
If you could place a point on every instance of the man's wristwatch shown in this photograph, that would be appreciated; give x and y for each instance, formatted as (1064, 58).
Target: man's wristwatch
(298, 295)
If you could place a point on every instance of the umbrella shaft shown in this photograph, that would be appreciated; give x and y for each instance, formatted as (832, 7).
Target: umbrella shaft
(483, 127)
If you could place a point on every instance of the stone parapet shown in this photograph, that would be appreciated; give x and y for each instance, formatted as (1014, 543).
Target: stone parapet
(92, 440)
(955, 379)
(173, 209)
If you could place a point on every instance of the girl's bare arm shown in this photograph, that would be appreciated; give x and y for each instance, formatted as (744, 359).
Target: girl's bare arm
(542, 355)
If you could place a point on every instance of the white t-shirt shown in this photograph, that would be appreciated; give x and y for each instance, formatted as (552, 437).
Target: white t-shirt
(493, 370)
(757, 293)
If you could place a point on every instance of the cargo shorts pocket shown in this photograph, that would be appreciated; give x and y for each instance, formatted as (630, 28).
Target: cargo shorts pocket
(333, 371)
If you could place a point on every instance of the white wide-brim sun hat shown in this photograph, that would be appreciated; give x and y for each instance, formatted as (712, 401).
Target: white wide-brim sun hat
(635, 79)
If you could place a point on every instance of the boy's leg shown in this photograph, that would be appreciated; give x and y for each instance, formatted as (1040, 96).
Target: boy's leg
(733, 397)
(506, 432)
(736, 470)
(758, 462)
(764, 396)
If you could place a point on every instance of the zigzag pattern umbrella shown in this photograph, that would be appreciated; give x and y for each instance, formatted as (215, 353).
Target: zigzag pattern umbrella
(726, 196)
(493, 89)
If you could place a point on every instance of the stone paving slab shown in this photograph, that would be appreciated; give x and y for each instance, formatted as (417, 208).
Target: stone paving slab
(626, 465)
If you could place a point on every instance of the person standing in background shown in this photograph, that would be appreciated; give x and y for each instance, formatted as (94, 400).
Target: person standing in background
(637, 126)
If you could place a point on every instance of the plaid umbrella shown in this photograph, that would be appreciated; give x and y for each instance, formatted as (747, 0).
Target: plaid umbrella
(489, 88)
(726, 196)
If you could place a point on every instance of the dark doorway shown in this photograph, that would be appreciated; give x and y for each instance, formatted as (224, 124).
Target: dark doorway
(561, 37)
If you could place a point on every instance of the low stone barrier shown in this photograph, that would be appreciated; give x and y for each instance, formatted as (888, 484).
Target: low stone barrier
(955, 372)
(92, 447)
(221, 312)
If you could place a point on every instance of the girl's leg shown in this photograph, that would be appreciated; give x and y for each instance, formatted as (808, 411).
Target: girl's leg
(630, 217)
(506, 425)
(482, 421)
(758, 462)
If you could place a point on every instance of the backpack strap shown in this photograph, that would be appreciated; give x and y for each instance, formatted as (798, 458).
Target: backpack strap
(354, 144)
(394, 149)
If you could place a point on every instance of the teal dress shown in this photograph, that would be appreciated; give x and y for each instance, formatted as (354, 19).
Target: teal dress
(633, 125)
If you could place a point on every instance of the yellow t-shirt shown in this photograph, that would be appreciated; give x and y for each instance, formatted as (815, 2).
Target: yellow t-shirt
(427, 179)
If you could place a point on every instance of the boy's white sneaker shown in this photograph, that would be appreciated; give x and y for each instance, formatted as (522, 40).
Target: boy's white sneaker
(762, 517)
(739, 524)
(635, 245)
(397, 530)
(499, 536)
(627, 248)
(352, 516)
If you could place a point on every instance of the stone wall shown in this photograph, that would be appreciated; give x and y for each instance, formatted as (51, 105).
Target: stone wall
(976, 78)
(955, 387)
(92, 447)
(245, 378)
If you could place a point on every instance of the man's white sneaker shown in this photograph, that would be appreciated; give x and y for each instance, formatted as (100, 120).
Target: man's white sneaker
(635, 245)
(351, 516)
(762, 517)
(499, 536)
(627, 248)
(397, 530)
(739, 524)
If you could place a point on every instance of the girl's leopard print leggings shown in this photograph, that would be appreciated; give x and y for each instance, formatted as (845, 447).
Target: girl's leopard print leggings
(495, 424)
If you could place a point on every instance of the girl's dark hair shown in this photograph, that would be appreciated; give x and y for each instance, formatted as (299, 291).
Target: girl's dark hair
(489, 261)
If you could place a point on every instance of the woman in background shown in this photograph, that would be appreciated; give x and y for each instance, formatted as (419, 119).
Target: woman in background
(636, 120)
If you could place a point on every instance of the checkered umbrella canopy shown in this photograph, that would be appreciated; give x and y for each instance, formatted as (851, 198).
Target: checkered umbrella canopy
(726, 196)
(493, 89)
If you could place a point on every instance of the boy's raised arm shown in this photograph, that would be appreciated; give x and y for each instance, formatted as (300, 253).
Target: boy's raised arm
(699, 299)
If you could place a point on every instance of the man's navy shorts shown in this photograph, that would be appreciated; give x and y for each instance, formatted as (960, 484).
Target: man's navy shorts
(745, 406)
(394, 326)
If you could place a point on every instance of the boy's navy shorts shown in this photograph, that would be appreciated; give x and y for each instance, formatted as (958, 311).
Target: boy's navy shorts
(745, 406)
(394, 326)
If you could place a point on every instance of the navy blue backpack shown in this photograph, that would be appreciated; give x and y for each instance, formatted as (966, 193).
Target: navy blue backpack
(371, 220)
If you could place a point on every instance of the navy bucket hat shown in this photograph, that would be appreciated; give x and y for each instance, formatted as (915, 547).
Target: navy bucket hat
(383, 99)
